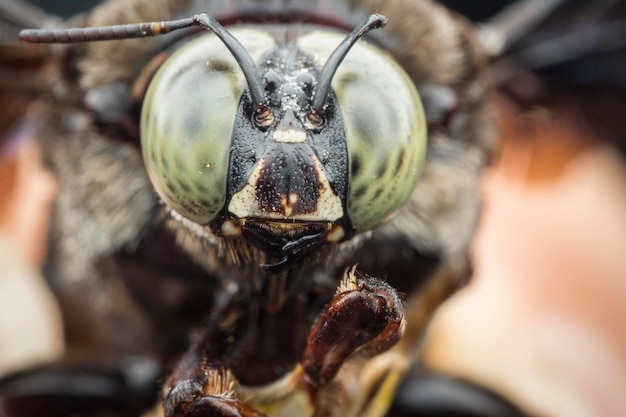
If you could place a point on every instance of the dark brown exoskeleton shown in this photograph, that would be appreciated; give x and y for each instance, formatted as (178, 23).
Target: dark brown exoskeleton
(217, 189)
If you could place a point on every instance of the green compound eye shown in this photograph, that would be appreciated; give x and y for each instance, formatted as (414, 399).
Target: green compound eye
(385, 128)
(187, 122)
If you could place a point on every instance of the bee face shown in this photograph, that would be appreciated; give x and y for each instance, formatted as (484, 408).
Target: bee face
(291, 174)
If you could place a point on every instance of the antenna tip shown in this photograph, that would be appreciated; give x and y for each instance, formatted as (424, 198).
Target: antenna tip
(28, 36)
(377, 21)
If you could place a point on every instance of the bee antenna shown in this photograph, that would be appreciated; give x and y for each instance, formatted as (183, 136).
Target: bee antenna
(104, 33)
(243, 58)
(140, 30)
(375, 21)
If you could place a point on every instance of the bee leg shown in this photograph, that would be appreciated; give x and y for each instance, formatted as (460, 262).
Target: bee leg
(215, 397)
(381, 375)
(364, 320)
(202, 387)
(202, 383)
(366, 315)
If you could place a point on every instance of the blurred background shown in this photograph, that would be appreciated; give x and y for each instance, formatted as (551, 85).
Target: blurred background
(65, 8)
(543, 322)
(476, 12)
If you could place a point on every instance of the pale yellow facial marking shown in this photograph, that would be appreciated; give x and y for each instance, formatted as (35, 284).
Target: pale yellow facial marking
(286, 206)
(329, 207)
(336, 234)
(289, 136)
(229, 228)
(288, 202)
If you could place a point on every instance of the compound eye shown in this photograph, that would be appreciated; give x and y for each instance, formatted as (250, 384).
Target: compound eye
(187, 123)
(385, 132)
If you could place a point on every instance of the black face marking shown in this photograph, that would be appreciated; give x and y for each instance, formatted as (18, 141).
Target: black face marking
(289, 183)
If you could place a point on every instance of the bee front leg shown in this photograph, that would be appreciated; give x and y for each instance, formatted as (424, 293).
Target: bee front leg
(364, 319)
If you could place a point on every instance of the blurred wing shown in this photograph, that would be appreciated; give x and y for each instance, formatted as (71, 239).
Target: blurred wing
(576, 42)
(569, 59)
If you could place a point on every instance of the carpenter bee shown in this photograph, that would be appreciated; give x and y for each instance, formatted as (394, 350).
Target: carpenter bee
(255, 217)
